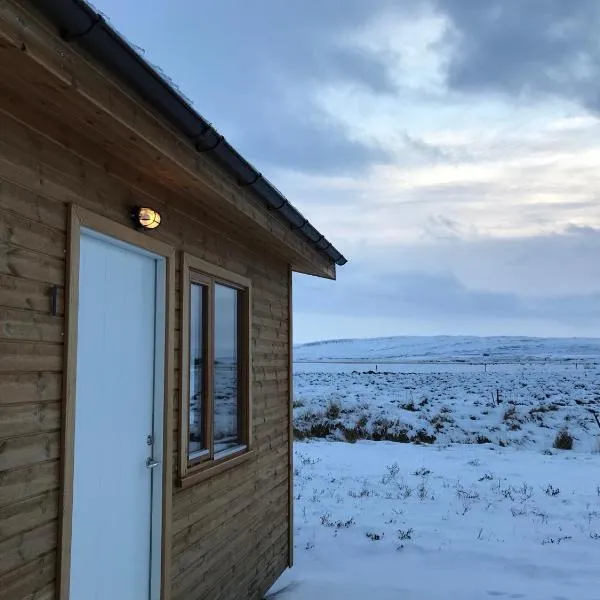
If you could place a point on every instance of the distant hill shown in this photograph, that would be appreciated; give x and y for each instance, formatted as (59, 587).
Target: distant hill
(449, 348)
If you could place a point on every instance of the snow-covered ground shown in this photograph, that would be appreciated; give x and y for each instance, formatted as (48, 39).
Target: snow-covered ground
(524, 403)
(394, 521)
(479, 504)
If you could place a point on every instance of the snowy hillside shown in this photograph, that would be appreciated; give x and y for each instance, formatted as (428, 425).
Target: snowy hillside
(450, 348)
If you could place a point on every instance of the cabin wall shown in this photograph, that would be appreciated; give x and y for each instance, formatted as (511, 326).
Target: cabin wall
(230, 533)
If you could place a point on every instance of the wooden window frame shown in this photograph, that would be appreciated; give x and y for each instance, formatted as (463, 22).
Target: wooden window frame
(197, 271)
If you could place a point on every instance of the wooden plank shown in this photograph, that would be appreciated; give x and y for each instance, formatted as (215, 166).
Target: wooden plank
(46, 593)
(276, 425)
(274, 380)
(272, 386)
(211, 556)
(259, 564)
(31, 581)
(17, 230)
(290, 420)
(269, 374)
(263, 359)
(184, 378)
(270, 394)
(269, 348)
(273, 415)
(28, 326)
(269, 574)
(262, 321)
(29, 295)
(28, 449)
(29, 387)
(191, 508)
(262, 309)
(67, 438)
(24, 159)
(273, 409)
(28, 264)
(272, 287)
(36, 208)
(20, 549)
(209, 583)
(28, 514)
(215, 518)
(169, 410)
(207, 551)
(29, 357)
(191, 503)
(272, 436)
(260, 313)
(269, 337)
(31, 480)
(22, 419)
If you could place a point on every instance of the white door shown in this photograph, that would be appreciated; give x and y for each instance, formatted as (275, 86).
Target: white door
(115, 549)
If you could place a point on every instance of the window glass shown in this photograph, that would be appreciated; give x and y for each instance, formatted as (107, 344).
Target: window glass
(197, 429)
(226, 368)
(215, 420)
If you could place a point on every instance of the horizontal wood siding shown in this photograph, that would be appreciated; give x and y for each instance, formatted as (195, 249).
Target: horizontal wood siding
(220, 523)
(32, 244)
(230, 533)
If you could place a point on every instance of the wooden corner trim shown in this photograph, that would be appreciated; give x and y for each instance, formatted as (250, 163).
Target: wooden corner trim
(68, 413)
(290, 422)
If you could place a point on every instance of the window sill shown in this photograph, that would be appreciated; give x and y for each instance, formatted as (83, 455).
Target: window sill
(206, 470)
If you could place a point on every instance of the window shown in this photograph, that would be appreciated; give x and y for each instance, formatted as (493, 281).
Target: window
(215, 374)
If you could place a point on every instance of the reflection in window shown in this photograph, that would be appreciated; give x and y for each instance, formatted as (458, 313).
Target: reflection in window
(197, 431)
(215, 424)
(226, 368)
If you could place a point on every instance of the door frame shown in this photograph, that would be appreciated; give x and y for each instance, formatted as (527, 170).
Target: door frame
(82, 218)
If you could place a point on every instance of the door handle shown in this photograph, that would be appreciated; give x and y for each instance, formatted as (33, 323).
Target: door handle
(151, 463)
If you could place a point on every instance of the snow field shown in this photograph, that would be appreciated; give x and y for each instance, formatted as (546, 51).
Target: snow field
(519, 404)
(399, 521)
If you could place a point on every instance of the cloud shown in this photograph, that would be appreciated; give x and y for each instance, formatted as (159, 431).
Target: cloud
(525, 48)
(538, 285)
(420, 295)
(255, 70)
(505, 183)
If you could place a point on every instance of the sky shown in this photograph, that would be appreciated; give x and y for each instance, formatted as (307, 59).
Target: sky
(448, 148)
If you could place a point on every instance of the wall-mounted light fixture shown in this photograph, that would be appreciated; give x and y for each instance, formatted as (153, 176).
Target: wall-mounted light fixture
(145, 218)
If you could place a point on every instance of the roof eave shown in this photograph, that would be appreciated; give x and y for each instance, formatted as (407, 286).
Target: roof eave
(80, 23)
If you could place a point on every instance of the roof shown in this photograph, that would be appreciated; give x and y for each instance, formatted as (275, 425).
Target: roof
(77, 21)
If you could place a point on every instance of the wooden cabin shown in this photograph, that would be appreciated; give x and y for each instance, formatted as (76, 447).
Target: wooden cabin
(145, 330)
